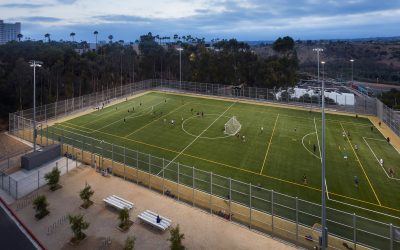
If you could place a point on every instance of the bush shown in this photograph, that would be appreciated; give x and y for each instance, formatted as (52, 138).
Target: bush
(40, 205)
(77, 226)
(176, 239)
(85, 195)
(130, 243)
(53, 178)
(124, 219)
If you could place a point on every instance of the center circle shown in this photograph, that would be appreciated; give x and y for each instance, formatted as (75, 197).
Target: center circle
(204, 137)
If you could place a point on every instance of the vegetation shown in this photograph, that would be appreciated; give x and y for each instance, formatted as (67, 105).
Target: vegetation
(53, 178)
(67, 72)
(391, 99)
(40, 205)
(129, 243)
(176, 238)
(78, 225)
(123, 216)
(85, 195)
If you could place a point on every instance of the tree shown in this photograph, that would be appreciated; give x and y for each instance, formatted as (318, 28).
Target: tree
(176, 239)
(40, 205)
(110, 37)
(47, 35)
(72, 35)
(283, 45)
(95, 33)
(85, 195)
(130, 243)
(19, 36)
(53, 178)
(77, 226)
(123, 216)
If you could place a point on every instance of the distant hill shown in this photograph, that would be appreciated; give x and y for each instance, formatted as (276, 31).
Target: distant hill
(375, 60)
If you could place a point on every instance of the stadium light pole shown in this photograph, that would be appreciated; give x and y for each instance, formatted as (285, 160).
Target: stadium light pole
(180, 66)
(34, 64)
(352, 71)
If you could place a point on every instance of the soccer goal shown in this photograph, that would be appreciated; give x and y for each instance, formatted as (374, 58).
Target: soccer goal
(233, 126)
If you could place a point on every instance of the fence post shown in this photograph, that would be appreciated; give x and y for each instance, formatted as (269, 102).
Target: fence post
(163, 177)
(211, 192)
(178, 179)
(112, 156)
(149, 171)
(193, 184)
(47, 135)
(297, 220)
(76, 160)
(16, 190)
(230, 198)
(66, 158)
(391, 236)
(124, 163)
(82, 151)
(38, 179)
(137, 167)
(250, 206)
(354, 231)
(272, 210)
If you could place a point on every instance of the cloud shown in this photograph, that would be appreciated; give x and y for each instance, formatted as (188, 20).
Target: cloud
(22, 5)
(44, 19)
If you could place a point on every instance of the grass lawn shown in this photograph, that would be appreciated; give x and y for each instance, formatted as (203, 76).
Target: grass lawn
(276, 158)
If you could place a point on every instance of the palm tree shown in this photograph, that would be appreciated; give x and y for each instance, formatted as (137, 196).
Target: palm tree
(95, 34)
(111, 38)
(72, 35)
(47, 35)
(19, 36)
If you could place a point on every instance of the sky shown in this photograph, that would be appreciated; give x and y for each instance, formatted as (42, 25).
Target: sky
(245, 20)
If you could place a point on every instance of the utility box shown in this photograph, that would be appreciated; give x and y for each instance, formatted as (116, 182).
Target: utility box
(36, 159)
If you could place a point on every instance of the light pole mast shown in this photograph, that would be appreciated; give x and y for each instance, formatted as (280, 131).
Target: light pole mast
(352, 71)
(180, 66)
(324, 231)
(34, 64)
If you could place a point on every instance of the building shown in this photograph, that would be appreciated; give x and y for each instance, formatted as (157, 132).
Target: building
(9, 31)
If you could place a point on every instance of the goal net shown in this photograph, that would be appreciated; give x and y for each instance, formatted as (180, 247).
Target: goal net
(233, 126)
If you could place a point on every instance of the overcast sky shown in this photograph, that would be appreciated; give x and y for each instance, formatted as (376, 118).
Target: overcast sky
(241, 19)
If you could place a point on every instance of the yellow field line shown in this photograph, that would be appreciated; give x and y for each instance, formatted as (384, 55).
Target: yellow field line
(252, 172)
(269, 144)
(359, 162)
(157, 119)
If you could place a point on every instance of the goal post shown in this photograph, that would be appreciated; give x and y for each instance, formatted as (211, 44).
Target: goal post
(232, 126)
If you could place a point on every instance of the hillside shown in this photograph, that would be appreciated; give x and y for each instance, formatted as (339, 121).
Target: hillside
(374, 61)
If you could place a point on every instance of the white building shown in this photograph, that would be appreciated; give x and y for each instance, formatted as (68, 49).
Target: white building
(9, 31)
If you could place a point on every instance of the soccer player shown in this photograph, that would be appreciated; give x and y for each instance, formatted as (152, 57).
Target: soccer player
(172, 122)
(379, 124)
(262, 130)
(314, 148)
(124, 119)
(191, 111)
(182, 118)
(202, 114)
(243, 138)
(165, 100)
(356, 180)
(388, 140)
(356, 147)
(295, 129)
(391, 172)
(304, 179)
(344, 134)
(165, 121)
(128, 110)
(381, 162)
(140, 104)
(372, 128)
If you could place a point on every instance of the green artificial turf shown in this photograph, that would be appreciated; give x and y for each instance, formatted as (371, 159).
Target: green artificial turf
(276, 158)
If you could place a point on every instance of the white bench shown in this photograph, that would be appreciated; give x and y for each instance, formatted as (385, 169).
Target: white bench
(118, 202)
(151, 218)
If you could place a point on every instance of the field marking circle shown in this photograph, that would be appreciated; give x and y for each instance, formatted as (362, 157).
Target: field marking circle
(204, 137)
(302, 142)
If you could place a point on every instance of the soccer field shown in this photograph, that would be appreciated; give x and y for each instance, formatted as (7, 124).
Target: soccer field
(276, 157)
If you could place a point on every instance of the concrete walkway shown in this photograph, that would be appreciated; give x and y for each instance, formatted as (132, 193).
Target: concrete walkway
(202, 231)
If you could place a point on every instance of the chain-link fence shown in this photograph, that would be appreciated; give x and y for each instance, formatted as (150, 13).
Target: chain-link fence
(388, 116)
(260, 209)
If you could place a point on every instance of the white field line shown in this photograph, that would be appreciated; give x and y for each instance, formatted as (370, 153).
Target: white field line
(320, 157)
(366, 209)
(197, 137)
(130, 116)
(384, 170)
(302, 142)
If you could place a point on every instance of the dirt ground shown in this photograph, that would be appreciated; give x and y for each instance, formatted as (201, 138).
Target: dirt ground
(202, 230)
(9, 145)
